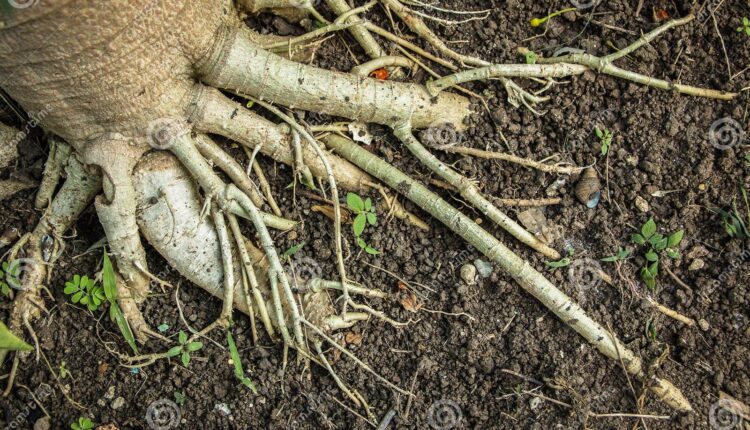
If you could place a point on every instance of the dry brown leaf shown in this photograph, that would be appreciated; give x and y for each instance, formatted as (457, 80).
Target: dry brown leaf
(329, 212)
(352, 338)
(410, 302)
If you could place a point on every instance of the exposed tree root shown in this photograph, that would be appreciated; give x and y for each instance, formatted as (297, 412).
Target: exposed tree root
(189, 213)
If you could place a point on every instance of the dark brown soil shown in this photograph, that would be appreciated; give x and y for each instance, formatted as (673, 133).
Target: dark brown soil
(458, 363)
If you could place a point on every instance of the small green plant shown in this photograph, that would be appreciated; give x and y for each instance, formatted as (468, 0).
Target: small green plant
(563, 262)
(734, 222)
(605, 138)
(179, 398)
(85, 291)
(10, 341)
(109, 284)
(365, 214)
(622, 254)
(657, 244)
(531, 57)
(651, 333)
(184, 348)
(239, 373)
(745, 27)
(83, 423)
(63, 371)
(163, 327)
(294, 249)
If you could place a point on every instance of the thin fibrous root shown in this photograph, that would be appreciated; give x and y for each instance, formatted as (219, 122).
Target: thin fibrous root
(361, 35)
(604, 65)
(215, 113)
(298, 86)
(471, 193)
(530, 279)
(542, 167)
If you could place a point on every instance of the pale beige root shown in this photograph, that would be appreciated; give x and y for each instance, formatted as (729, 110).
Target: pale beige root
(212, 112)
(304, 87)
(232, 168)
(117, 156)
(8, 145)
(169, 216)
(359, 32)
(59, 152)
(35, 251)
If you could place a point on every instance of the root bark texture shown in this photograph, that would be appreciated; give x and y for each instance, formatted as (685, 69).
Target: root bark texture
(298, 86)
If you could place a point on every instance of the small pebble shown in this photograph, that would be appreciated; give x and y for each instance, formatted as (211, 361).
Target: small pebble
(534, 402)
(42, 424)
(703, 324)
(641, 204)
(110, 394)
(484, 268)
(223, 408)
(118, 403)
(469, 273)
(697, 264)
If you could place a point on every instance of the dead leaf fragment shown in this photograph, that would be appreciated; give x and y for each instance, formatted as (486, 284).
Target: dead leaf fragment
(352, 338)
(11, 186)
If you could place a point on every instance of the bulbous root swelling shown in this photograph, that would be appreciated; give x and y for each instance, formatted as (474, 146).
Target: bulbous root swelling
(182, 207)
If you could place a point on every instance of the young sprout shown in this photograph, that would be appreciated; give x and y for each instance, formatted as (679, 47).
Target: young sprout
(82, 424)
(563, 262)
(239, 373)
(536, 22)
(85, 291)
(63, 371)
(365, 214)
(657, 243)
(531, 57)
(745, 27)
(109, 284)
(605, 138)
(184, 348)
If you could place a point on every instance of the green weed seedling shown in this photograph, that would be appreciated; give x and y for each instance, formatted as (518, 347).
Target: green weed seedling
(85, 291)
(745, 27)
(184, 349)
(605, 138)
(83, 423)
(657, 245)
(365, 214)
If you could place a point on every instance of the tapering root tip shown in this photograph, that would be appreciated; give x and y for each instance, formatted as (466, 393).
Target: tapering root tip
(670, 394)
